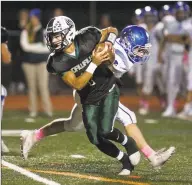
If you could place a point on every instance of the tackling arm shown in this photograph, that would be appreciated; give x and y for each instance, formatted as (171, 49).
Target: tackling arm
(180, 39)
(105, 34)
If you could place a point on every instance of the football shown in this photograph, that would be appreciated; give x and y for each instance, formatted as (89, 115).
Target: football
(103, 46)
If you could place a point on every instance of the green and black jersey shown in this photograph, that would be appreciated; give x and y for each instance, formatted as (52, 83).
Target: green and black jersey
(102, 80)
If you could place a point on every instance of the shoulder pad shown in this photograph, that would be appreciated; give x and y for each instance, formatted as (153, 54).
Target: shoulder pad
(90, 33)
(92, 29)
(49, 63)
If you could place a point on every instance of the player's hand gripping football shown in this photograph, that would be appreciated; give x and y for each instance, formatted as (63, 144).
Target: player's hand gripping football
(98, 56)
(111, 51)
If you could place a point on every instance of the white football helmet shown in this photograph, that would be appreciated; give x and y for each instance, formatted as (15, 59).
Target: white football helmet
(60, 25)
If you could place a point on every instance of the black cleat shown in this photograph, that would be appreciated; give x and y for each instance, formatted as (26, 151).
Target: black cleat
(127, 166)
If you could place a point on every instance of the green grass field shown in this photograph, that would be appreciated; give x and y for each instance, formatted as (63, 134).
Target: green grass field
(51, 158)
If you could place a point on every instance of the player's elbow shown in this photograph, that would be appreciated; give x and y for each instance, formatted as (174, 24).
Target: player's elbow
(112, 29)
(75, 82)
(79, 84)
(77, 87)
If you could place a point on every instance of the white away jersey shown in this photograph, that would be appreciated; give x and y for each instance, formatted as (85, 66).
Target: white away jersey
(176, 28)
(122, 64)
(187, 24)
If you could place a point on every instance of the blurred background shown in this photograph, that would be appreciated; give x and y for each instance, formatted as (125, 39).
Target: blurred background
(19, 16)
(101, 14)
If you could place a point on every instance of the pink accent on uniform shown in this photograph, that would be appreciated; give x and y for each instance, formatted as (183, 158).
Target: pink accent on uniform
(144, 103)
(39, 134)
(185, 58)
(147, 151)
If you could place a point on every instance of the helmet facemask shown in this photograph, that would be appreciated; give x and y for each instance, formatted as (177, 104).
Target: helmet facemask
(140, 53)
(137, 53)
(60, 43)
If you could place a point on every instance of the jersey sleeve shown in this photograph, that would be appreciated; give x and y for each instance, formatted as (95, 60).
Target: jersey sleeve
(119, 66)
(49, 64)
(59, 71)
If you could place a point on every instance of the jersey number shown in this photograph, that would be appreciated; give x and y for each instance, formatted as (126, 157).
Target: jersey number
(92, 83)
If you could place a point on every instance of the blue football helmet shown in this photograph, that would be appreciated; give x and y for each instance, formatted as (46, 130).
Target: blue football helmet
(135, 41)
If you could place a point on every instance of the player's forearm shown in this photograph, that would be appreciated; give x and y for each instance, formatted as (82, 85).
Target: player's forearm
(80, 82)
(180, 39)
(105, 33)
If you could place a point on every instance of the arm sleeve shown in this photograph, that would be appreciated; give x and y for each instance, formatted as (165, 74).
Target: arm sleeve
(38, 48)
(51, 69)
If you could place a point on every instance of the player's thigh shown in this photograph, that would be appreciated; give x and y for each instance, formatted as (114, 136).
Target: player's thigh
(148, 81)
(125, 116)
(175, 70)
(76, 121)
(90, 116)
(108, 111)
(76, 98)
(139, 73)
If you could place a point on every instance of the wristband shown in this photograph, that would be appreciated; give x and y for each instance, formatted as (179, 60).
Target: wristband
(111, 38)
(91, 68)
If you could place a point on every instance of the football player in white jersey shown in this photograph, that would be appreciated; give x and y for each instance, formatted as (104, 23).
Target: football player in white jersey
(176, 37)
(132, 47)
(6, 58)
(151, 77)
(166, 15)
(186, 113)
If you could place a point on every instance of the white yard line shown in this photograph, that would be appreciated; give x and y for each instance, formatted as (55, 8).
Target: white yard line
(14, 133)
(29, 174)
(11, 132)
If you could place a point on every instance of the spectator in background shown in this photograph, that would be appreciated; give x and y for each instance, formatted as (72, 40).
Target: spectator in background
(58, 12)
(23, 18)
(105, 21)
(18, 80)
(34, 65)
